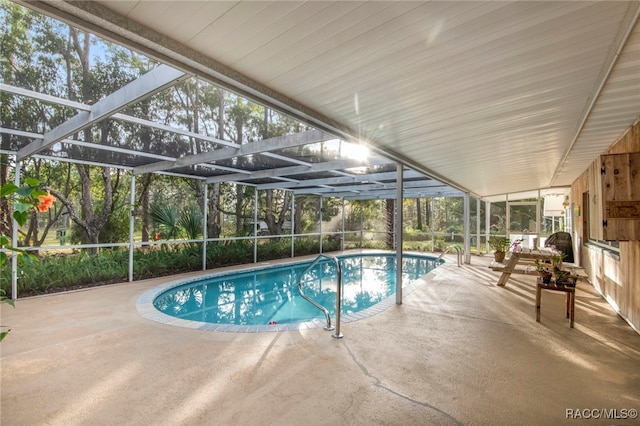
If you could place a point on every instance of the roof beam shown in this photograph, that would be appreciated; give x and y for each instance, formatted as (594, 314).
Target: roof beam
(127, 118)
(146, 85)
(225, 168)
(444, 192)
(413, 186)
(70, 160)
(294, 170)
(97, 146)
(19, 91)
(258, 147)
(408, 174)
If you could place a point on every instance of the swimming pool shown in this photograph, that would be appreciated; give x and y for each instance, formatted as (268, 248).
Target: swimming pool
(267, 298)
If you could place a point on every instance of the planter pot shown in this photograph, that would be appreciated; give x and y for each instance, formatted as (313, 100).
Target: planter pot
(499, 256)
(545, 277)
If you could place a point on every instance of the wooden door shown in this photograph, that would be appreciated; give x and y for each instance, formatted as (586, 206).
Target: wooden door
(620, 177)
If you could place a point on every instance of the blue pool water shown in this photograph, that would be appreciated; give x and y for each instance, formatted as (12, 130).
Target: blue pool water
(270, 295)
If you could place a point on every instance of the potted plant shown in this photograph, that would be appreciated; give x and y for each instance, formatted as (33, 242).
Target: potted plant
(556, 259)
(565, 278)
(544, 271)
(562, 277)
(500, 245)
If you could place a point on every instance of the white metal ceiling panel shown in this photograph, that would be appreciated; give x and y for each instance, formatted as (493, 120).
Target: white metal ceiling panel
(614, 111)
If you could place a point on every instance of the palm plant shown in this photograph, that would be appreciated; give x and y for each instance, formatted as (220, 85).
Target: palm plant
(175, 224)
(166, 217)
(190, 221)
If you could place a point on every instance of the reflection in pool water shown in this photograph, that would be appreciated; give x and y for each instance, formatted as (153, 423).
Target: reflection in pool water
(270, 295)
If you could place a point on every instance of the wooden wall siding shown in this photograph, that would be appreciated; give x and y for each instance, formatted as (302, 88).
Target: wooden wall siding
(630, 274)
(617, 280)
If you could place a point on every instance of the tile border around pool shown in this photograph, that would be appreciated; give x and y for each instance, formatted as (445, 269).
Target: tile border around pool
(144, 306)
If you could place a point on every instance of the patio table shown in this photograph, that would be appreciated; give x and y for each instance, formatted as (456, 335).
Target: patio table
(525, 258)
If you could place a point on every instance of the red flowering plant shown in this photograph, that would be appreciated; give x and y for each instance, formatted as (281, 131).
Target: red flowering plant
(26, 197)
(45, 202)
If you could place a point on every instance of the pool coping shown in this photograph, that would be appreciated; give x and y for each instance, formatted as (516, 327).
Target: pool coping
(144, 304)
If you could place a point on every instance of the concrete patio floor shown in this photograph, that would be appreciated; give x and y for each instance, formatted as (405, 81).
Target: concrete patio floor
(458, 351)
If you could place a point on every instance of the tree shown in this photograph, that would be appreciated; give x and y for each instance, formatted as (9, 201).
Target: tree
(244, 124)
(277, 204)
(390, 221)
(56, 175)
(90, 220)
(214, 225)
(22, 66)
(418, 214)
(143, 201)
(307, 213)
(57, 62)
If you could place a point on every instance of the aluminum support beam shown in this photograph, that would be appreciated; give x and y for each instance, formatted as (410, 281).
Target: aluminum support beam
(14, 243)
(293, 221)
(132, 223)
(398, 236)
(478, 226)
(466, 226)
(388, 194)
(69, 160)
(415, 186)
(342, 236)
(361, 226)
(294, 170)
(487, 225)
(146, 85)
(205, 215)
(408, 174)
(95, 146)
(256, 225)
(320, 225)
(508, 213)
(258, 147)
(431, 220)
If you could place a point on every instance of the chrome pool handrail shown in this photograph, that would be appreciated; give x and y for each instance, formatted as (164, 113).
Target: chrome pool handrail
(459, 253)
(328, 327)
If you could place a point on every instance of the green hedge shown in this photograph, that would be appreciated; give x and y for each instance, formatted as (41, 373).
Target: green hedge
(72, 271)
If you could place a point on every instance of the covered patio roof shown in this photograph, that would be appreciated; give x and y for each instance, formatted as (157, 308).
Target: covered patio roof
(484, 98)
